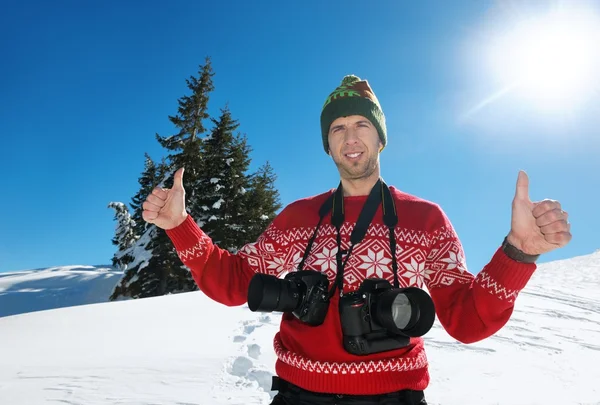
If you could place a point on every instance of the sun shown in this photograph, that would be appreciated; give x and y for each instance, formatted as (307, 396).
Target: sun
(550, 61)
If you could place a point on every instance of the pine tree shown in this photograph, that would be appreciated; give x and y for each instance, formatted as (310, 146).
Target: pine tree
(263, 201)
(125, 235)
(224, 182)
(134, 279)
(185, 147)
(232, 207)
(156, 269)
(138, 254)
(147, 181)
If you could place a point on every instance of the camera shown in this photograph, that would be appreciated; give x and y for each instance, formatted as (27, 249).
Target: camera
(303, 293)
(377, 317)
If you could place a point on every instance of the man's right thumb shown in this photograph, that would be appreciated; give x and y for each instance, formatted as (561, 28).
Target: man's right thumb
(178, 179)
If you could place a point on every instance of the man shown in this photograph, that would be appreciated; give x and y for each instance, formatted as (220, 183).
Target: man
(315, 364)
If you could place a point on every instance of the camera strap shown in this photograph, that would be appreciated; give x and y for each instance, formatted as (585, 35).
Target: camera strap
(380, 193)
(358, 233)
(390, 219)
(322, 212)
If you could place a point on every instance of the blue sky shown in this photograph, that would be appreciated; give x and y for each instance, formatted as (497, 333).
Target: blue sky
(86, 85)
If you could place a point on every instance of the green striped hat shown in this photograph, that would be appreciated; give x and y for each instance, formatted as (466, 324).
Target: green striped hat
(352, 97)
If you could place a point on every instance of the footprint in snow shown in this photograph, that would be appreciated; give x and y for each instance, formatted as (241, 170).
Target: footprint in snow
(245, 367)
(254, 351)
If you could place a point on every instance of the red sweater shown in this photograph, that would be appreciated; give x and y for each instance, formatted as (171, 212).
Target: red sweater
(428, 253)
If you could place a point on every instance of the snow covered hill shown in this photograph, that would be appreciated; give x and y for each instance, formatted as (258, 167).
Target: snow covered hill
(55, 287)
(187, 349)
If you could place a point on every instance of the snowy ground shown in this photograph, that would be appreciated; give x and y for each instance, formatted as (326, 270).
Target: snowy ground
(186, 349)
(55, 287)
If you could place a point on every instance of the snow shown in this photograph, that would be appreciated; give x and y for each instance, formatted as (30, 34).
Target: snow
(214, 180)
(139, 250)
(55, 287)
(218, 203)
(188, 349)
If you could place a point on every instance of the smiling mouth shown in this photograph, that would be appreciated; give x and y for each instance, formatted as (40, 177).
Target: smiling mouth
(353, 155)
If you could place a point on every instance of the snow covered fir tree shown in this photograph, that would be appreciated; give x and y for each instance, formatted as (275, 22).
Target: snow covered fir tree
(231, 204)
(223, 209)
(125, 235)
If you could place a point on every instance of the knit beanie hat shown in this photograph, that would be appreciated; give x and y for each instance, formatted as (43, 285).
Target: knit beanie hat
(352, 97)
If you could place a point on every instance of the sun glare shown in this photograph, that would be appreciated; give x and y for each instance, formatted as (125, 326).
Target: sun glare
(554, 60)
(550, 61)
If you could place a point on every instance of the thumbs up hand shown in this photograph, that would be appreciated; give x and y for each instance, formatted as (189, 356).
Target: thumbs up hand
(537, 227)
(165, 208)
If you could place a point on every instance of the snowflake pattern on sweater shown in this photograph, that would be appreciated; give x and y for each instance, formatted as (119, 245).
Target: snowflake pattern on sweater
(371, 258)
(428, 253)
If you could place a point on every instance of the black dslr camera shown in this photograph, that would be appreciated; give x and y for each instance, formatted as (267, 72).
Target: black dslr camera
(303, 292)
(378, 317)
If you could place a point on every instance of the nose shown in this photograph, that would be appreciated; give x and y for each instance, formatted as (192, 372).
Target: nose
(350, 138)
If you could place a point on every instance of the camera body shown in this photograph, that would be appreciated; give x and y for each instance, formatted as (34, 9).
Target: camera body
(375, 318)
(378, 317)
(304, 293)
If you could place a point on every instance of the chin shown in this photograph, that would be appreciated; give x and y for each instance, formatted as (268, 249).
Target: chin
(358, 174)
(356, 170)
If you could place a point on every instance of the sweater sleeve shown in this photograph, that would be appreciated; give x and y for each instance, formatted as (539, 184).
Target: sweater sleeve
(225, 276)
(471, 308)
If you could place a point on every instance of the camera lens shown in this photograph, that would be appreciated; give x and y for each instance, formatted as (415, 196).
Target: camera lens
(268, 293)
(402, 312)
(409, 311)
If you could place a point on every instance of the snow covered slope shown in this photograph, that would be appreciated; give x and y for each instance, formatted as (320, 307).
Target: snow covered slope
(187, 349)
(55, 287)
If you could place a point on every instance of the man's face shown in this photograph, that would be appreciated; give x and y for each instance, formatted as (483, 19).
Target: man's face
(354, 146)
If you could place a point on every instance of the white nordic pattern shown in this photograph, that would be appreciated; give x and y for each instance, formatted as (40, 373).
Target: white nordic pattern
(325, 259)
(415, 271)
(375, 263)
(360, 367)
(195, 251)
(434, 260)
(446, 264)
(495, 288)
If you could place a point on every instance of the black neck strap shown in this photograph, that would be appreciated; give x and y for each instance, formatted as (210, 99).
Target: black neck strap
(390, 219)
(365, 217)
(380, 193)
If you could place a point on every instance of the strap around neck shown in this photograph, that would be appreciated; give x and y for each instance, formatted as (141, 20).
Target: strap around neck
(335, 201)
(366, 215)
